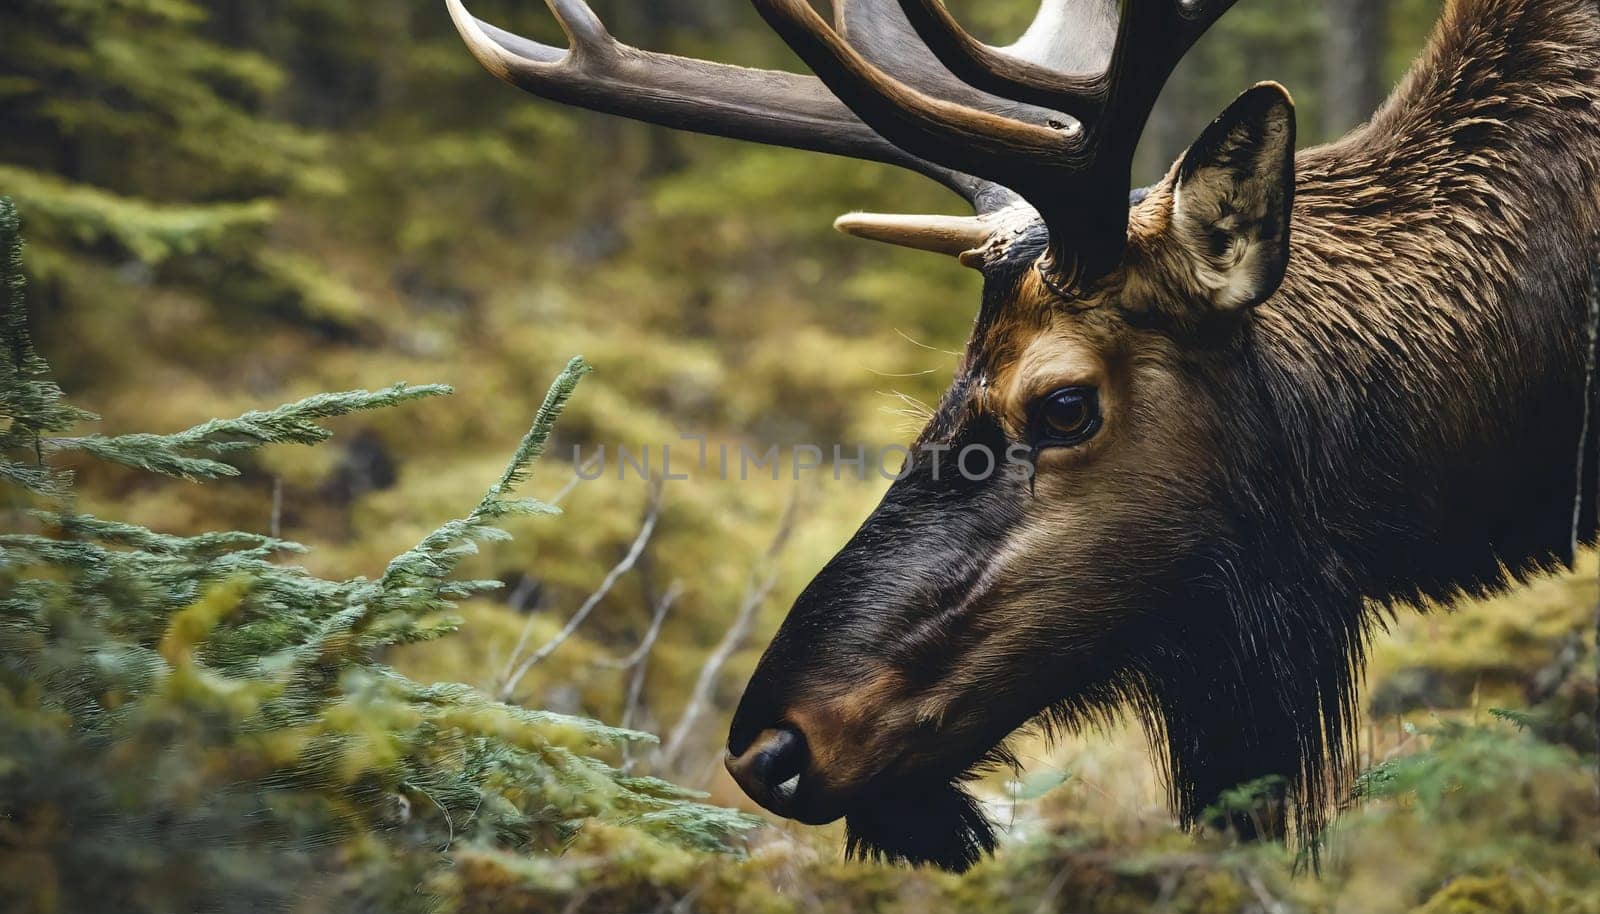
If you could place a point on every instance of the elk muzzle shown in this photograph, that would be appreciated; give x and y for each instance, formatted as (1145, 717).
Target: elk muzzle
(853, 690)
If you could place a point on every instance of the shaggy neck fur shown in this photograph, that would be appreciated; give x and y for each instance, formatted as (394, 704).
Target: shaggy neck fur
(1425, 355)
(1418, 386)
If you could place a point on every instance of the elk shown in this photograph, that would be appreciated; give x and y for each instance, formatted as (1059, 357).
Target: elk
(1267, 402)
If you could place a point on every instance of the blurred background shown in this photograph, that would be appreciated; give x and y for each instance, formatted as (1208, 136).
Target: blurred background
(230, 205)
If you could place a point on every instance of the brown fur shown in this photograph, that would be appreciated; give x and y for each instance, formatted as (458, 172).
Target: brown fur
(1399, 420)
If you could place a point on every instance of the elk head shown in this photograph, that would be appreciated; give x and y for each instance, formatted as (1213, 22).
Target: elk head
(1099, 389)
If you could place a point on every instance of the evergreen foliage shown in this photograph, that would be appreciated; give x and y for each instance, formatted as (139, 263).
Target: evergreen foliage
(82, 85)
(188, 723)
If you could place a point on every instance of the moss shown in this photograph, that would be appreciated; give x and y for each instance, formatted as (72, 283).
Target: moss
(1209, 892)
(1489, 651)
(1499, 893)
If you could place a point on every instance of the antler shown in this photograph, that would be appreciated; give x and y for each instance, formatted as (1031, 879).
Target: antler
(1054, 117)
(599, 73)
(1074, 171)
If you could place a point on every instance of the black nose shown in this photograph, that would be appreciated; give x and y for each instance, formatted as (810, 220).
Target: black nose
(770, 768)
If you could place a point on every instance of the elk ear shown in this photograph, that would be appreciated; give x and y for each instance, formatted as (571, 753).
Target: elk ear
(1232, 198)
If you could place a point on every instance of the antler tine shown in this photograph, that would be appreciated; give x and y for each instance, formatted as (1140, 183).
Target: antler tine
(952, 235)
(995, 147)
(1081, 198)
(1001, 72)
(1044, 69)
(1053, 167)
(880, 31)
(967, 238)
(1070, 36)
(582, 27)
(601, 74)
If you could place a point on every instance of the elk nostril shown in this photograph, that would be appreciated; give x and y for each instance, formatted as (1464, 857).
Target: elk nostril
(782, 757)
(770, 767)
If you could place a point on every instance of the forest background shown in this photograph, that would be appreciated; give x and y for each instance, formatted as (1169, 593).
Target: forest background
(230, 206)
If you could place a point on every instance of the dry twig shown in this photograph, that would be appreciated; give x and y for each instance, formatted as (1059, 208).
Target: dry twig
(762, 579)
(638, 663)
(516, 669)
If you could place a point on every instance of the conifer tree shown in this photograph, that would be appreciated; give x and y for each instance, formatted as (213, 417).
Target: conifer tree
(136, 135)
(188, 722)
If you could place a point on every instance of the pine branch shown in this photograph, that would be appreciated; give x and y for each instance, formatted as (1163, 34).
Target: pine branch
(533, 443)
(151, 232)
(416, 578)
(85, 527)
(292, 423)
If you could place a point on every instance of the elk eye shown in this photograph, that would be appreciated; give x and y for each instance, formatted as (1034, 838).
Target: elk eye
(1066, 417)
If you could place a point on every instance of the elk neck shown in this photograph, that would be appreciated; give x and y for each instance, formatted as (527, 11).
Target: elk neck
(1424, 363)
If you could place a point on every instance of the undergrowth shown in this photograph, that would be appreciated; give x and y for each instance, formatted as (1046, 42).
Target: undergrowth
(195, 723)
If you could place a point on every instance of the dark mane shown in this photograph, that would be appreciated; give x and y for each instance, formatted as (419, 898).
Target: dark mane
(1441, 252)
